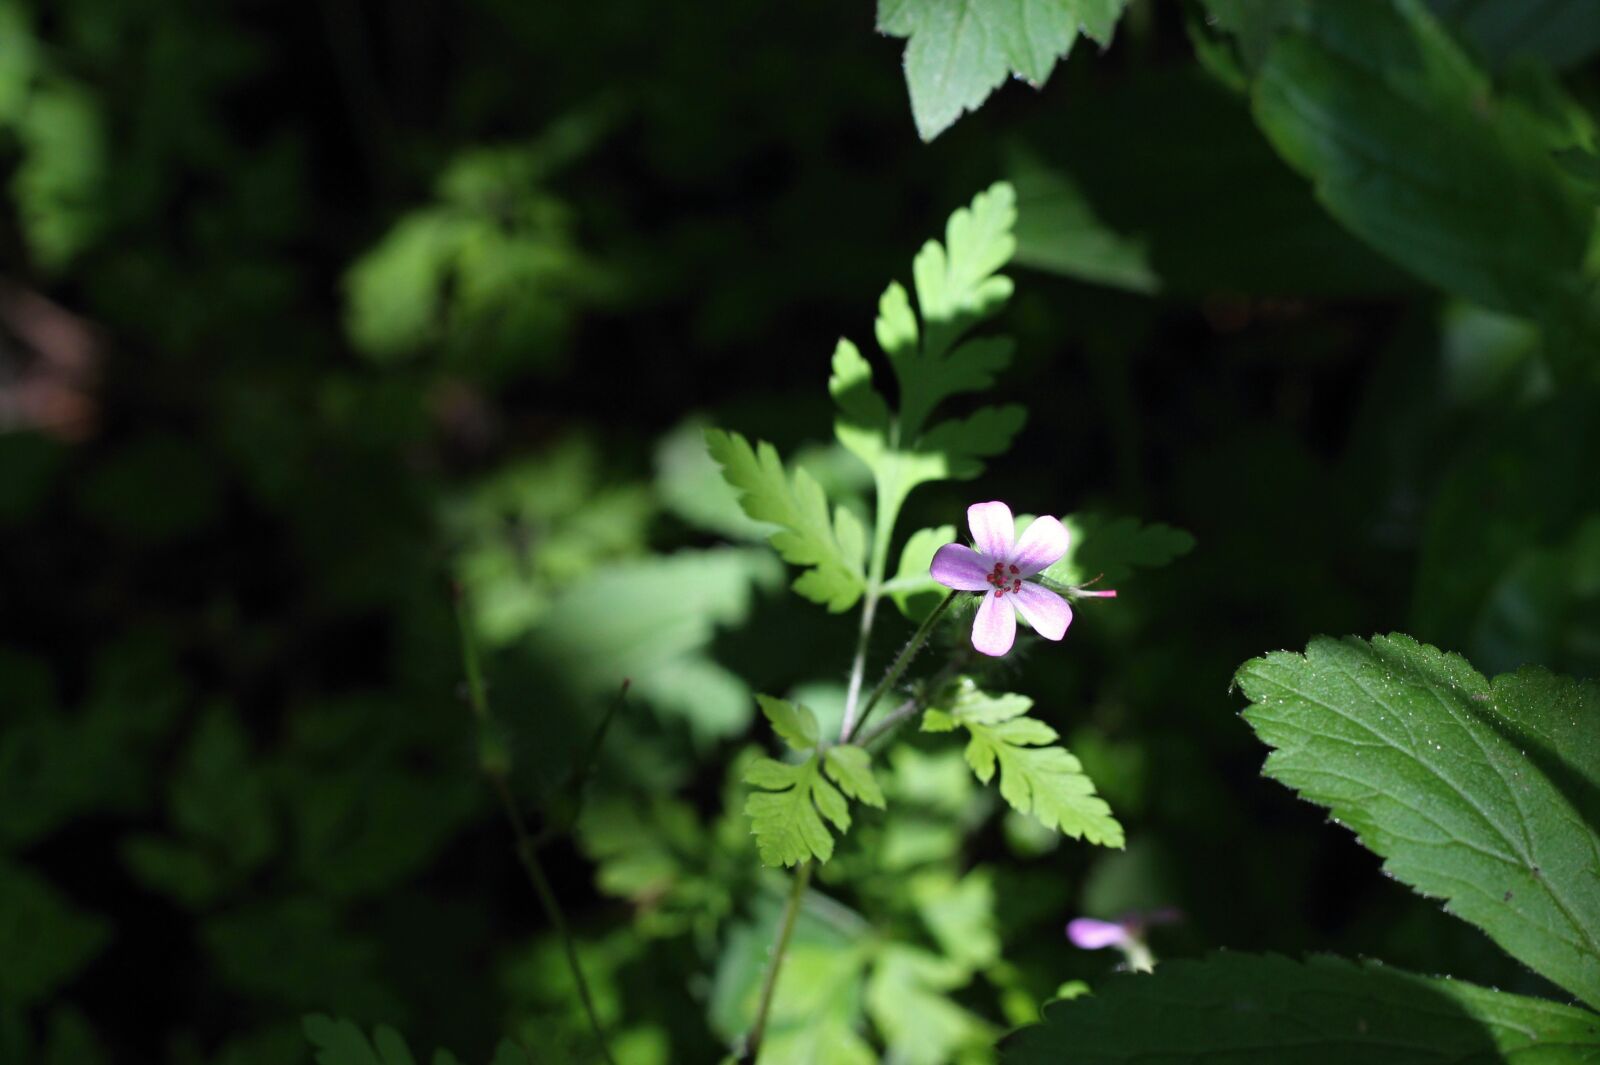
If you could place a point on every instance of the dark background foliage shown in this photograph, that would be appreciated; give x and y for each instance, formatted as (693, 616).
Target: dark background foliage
(310, 310)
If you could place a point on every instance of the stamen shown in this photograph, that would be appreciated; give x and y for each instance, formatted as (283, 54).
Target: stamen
(1015, 571)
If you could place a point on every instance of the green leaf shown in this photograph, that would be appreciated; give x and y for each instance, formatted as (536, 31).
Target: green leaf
(1483, 794)
(1058, 230)
(1045, 782)
(341, 1042)
(832, 550)
(913, 588)
(653, 620)
(690, 484)
(1325, 1011)
(1409, 148)
(795, 724)
(959, 51)
(957, 288)
(1113, 548)
(784, 816)
(44, 939)
(1561, 32)
(850, 767)
(907, 998)
(959, 914)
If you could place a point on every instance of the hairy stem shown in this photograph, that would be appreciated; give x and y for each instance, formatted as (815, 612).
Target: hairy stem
(769, 982)
(898, 667)
(494, 768)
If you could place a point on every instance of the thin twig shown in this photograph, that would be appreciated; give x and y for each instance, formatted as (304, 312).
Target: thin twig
(526, 850)
(902, 660)
(769, 983)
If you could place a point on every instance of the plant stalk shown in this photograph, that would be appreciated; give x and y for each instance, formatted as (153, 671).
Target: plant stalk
(769, 983)
(898, 667)
(527, 851)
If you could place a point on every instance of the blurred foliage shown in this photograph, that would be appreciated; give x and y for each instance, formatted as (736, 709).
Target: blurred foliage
(386, 298)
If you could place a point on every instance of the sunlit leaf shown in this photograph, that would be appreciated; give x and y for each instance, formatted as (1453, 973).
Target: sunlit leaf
(832, 549)
(1035, 778)
(1485, 794)
(784, 815)
(962, 50)
(795, 725)
(851, 768)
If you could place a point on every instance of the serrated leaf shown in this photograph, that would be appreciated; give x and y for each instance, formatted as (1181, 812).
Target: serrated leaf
(959, 51)
(785, 816)
(959, 914)
(1325, 1011)
(1045, 782)
(795, 724)
(833, 550)
(1484, 794)
(1408, 146)
(1114, 548)
(850, 767)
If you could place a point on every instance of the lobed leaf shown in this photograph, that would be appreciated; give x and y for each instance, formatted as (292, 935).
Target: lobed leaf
(832, 550)
(785, 815)
(1244, 1008)
(1045, 782)
(850, 767)
(796, 725)
(1483, 794)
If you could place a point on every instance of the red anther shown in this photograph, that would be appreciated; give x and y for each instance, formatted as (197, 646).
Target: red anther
(1016, 585)
(1015, 571)
(999, 593)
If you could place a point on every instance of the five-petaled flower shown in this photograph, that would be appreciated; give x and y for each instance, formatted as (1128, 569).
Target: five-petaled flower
(1000, 567)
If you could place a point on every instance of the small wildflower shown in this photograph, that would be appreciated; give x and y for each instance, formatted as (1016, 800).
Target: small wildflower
(1000, 567)
(1126, 934)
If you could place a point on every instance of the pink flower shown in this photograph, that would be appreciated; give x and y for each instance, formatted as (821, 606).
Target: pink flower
(1089, 933)
(1000, 568)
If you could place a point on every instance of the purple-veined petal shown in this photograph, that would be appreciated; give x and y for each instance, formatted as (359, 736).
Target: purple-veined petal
(960, 567)
(993, 529)
(1044, 610)
(994, 630)
(1041, 545)
(1087, 933)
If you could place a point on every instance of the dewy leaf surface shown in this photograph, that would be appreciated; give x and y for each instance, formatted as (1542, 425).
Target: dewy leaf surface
(1481, 794)
(960, 51)
(1243, 1009)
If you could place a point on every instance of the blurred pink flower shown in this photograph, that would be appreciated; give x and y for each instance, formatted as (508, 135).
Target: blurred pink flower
(999, 567)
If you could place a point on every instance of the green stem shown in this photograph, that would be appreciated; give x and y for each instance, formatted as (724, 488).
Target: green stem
(526, 850)
(902, 660)
(769, 983)
(889, 500)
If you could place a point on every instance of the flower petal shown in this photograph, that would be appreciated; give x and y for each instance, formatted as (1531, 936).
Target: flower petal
(1044, 610)
(960, 567)
(1041, 546)
(995, 628)
(1087, 933)
(993, 529)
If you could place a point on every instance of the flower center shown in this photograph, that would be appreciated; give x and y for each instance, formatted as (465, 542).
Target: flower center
(1003, 580)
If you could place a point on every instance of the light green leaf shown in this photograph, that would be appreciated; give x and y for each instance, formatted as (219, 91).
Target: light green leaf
(832, 550)
(1045, 782)
(1113, 548)
(957, 287)
(795, 724)
(907, 998)
(691, 486)
(851, 768)
(1483, 794)
(1409, 148)
(959, 914)
(784, 816)
(1058, 230)
(1325, 1011)
(961, 50)
(913, 588)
